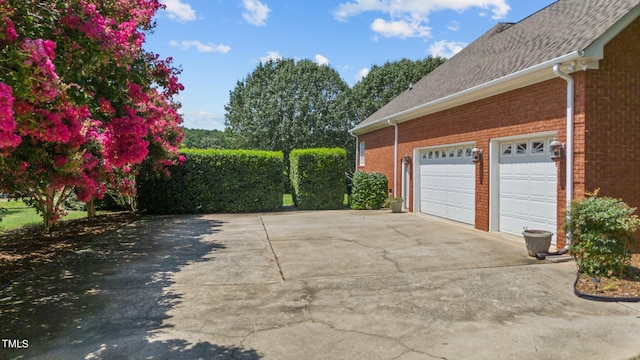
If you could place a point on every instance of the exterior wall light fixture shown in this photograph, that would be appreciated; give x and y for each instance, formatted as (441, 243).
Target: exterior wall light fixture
(476, 154)
(406, 159)
(556, 149)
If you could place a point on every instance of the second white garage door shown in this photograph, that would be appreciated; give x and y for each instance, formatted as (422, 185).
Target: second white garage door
(447, 183)
(528, 186)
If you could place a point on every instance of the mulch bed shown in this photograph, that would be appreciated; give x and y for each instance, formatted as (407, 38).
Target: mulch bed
(25, 249)
(626, 287)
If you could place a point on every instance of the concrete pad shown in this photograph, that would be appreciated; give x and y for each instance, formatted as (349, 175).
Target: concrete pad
(312, 285)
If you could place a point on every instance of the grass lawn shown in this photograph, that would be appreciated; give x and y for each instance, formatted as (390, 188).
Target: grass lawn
(19, 214)
(287, 200)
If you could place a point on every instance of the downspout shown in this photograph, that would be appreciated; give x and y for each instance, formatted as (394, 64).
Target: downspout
(569, 143)
(395, 158)
(357, 150)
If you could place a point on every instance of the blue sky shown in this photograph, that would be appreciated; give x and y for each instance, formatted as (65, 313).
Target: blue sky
(220, 42)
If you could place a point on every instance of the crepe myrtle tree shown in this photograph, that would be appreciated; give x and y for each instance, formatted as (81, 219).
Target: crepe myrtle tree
(81, 103)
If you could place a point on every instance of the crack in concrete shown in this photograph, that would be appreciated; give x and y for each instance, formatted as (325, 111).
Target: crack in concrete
(386, 257)
(271, 247)
(422, 353)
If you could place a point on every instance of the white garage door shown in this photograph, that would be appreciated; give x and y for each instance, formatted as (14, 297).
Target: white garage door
(528, 186)
(447, 183)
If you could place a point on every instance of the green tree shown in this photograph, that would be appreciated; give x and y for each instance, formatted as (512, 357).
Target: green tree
(383, 83)
(287, 104)
(206, 139)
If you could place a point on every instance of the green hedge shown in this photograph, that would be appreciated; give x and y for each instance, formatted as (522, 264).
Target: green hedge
(215, 181)
(369, 191)
(318, 178)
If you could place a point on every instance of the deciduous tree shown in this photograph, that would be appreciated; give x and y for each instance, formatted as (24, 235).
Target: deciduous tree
(82, 103)
(383, 83)
(287, 104)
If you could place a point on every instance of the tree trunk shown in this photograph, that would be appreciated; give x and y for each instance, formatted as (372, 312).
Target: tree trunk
(91, 209)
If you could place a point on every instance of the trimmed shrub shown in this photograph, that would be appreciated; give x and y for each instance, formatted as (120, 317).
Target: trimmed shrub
(369, 191)
(318, 178)
(601, 230)
(213, 181)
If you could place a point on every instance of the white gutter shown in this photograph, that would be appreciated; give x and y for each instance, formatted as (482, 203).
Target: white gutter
(395, 158)
(493, 87)
(569, 142)
(357, 150)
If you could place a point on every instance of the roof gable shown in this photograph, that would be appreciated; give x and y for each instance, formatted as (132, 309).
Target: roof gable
(507, 50)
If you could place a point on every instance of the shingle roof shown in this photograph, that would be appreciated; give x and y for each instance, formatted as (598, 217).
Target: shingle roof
(563, 27)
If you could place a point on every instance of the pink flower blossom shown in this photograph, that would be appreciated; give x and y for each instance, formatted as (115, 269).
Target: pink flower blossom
(106, 107)
(8, 33)
(41, 55)
(59, 161)
(8, 138)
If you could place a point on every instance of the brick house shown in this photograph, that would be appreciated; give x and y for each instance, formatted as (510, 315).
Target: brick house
(526, 118)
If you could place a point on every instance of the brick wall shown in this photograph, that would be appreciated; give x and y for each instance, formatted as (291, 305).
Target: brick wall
(537, 108)
(606, 129)
(612, 139)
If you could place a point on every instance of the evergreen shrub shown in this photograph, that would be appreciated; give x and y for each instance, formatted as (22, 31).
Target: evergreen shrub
(318, 178)
(369, 190)
(212, 181)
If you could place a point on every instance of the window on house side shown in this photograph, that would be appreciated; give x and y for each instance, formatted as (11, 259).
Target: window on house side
(361, 153)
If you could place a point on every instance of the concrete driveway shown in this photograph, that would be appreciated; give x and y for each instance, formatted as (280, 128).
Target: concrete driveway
(309, 285)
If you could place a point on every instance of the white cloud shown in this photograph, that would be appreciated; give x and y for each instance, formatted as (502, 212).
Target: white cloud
(407, 18)
(179, 11)
(362, 74)
(271, 55)
(256, 13)
(418, 8)
(401, 29)
(203, 120)
(446, 48)
(203, 48)
(321, 60)
(454, 26)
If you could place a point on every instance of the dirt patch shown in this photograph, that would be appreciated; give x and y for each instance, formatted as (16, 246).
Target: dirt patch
(628, 286)
(23, 250)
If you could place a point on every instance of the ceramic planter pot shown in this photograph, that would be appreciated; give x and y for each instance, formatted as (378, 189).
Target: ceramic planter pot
(537, 241)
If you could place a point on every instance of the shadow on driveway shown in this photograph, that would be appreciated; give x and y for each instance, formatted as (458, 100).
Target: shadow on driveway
(107, 299)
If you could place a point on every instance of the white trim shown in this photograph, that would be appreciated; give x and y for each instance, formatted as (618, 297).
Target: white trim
(494, 185)
(464, 143)
(357, 151)
(526, 77)
(416, 180)
(395, 159)
(596, 49)
(569, 143)
(528, 136)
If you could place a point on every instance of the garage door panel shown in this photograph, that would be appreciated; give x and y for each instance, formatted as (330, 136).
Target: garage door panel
(447, 187)
(528, 191)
